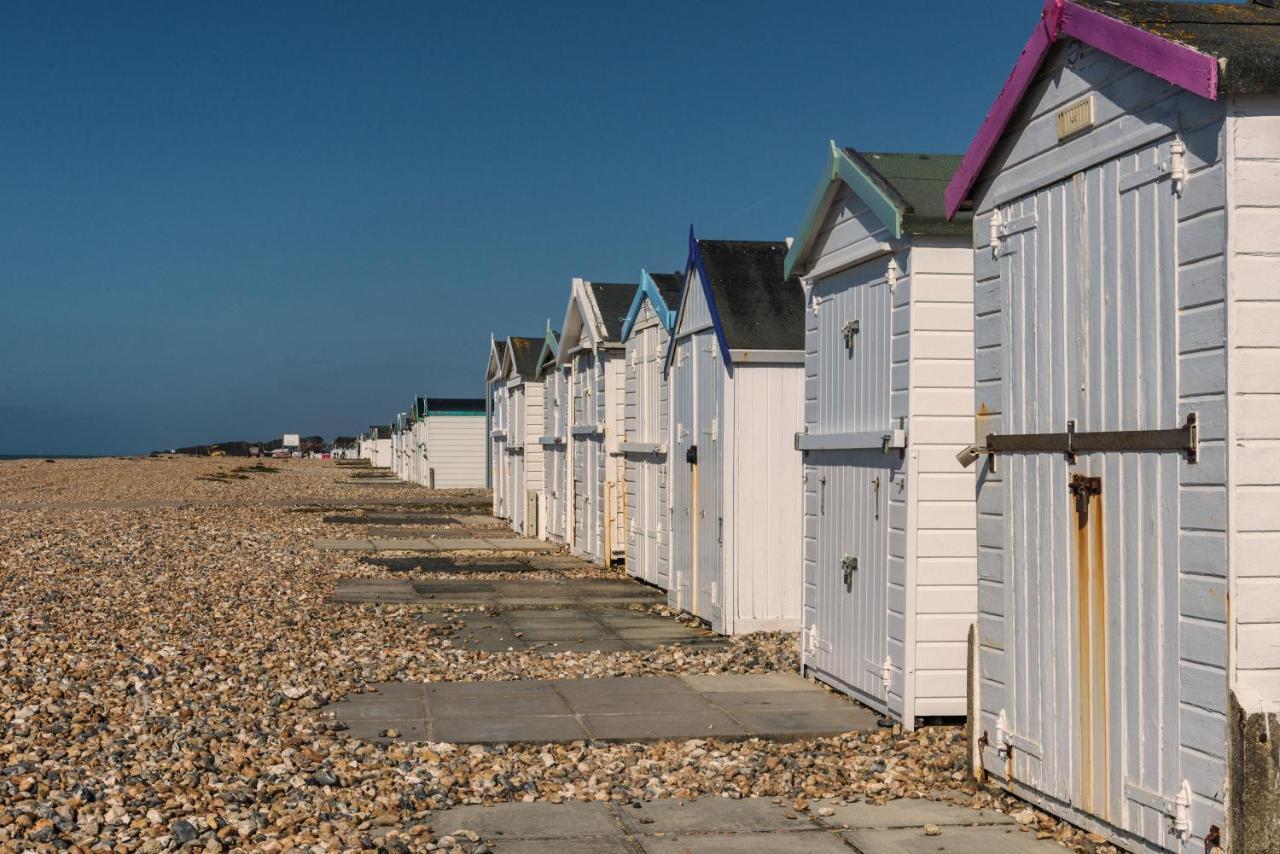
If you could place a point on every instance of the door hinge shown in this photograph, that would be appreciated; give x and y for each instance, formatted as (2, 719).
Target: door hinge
(886, 673)
(1177, 808)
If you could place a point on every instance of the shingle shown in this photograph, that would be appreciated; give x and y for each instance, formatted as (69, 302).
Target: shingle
(441, 405)
(917, 183)
(759, 308)
(524, 352)
(1245, 35)
(613, 301)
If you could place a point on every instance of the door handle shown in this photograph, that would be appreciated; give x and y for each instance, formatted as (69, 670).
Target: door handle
(849, 564)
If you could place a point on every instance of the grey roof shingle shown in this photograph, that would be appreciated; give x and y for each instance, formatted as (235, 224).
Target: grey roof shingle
(759, 308)
(917, 183)
(614, 301)
(1245, 35)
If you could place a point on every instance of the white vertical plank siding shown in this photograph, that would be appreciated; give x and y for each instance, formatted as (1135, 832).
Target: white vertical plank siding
(763, 517)
(1108, 311)
(647, 532)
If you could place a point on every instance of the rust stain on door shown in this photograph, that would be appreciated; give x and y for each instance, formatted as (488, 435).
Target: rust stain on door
(1091, 633)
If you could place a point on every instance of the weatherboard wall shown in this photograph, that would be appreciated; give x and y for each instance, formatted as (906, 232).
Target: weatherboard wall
(1253, 312)
(454, 451)
(1169, 640)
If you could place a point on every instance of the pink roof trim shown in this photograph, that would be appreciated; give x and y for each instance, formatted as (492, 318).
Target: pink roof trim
(1190, 69)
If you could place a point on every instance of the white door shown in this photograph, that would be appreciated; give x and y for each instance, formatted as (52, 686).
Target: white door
(1091, 556)
(683, 475)
(709, 519)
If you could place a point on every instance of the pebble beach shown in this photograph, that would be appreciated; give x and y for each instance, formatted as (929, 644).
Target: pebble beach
(168, 648)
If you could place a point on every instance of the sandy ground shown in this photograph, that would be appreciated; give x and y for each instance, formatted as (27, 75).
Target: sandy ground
(167, 645)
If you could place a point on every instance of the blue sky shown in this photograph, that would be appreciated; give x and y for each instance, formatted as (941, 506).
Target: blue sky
(233, 220)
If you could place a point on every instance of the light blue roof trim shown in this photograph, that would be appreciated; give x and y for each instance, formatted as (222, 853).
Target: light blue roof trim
(841, 168)
(648, 289)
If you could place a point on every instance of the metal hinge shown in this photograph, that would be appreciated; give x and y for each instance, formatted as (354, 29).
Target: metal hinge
(1184, 439)
(886, 672)
(848, 566)
(1178, 808)
(891, 273)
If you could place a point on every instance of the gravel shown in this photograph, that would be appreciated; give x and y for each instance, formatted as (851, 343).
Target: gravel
(163, 672)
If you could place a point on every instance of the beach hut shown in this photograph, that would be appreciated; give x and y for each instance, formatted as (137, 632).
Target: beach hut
(1126, 194)
(453, 439)
(592, 348)
(735, 367)
(415, 472)
(646, 333)
(890, 560)
(554, 438)
(496, 405)
(379, 443)
(524, 431)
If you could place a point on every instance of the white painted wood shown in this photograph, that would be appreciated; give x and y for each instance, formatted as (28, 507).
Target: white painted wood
(1109, 312)
(1253, 347)
(647, 533)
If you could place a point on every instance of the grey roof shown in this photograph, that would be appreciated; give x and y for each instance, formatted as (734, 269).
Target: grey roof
(439, 405)
(381, 432)
(614, 301)
(1246, 36)
(669, 287)
(917, 184)
(524, 352)
(759, 308)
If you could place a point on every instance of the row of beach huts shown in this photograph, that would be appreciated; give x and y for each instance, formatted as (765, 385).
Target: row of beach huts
(998, 433)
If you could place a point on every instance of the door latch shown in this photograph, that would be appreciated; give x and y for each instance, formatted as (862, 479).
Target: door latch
(849, 564)
(1082, 488)
(850, 329)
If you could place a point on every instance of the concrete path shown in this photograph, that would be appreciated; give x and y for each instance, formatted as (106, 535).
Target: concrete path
(460, 542)
(575, 629)
(471, 520)
(481, 563)
(581, 592)
(397, 532)
(777, 706)
(749, 826)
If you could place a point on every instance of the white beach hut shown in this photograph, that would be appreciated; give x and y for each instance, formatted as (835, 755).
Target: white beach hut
(554, 439)
(453, 437)
(379, 445)
(496, 404)
(591, 346)
(1126, 195)
(735, 367)
(524, 430)
(890, 555)
(646, 333)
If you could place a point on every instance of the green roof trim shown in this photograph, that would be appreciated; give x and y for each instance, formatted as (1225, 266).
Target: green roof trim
(904, 191)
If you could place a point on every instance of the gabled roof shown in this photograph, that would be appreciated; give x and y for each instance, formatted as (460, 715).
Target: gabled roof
(662, 290)
(550, 348)
(522, 357)
(1204, 48)
(753, 304)
(497, 351)
(381, 431)
(905, 192)
(597, 310)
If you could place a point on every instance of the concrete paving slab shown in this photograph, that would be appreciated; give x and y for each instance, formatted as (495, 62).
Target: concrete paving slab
(620, 709)
(554, 630)
(655, 726)
(350, 545)
(505, 729)
(586, 845)
(745, 843)
(905, 812)
(388, 519)
(806, 723)
(732, 682)
(397, 532)
(502, 592)
(952, 840)
(385, 590)
(505, 822)
(430, 563)
(768, 701)
(710, 815)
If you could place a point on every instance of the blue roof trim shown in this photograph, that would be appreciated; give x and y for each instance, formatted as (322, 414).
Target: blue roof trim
(695, 263)
(648, 289)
